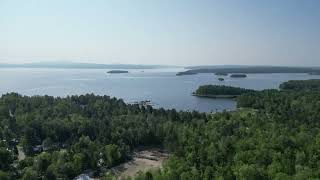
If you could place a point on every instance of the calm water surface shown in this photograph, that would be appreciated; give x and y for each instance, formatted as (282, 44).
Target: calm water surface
(161, 86)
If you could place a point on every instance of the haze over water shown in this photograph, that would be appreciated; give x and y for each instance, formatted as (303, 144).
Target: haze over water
(161, 86)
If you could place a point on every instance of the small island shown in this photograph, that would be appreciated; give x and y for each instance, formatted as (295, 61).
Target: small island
(221, 74)
(220, 79)
(185, 73)
(117, 71)
(218, 91)
(238, 75)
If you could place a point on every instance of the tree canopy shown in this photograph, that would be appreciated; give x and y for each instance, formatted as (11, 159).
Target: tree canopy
(274, 135)
(214, 90)
(298, 85)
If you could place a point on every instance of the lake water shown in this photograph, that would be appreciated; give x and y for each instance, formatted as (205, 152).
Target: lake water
(161, 86)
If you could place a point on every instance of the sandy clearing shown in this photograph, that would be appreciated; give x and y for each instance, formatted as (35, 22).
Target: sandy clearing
(21, 155)
(142, 161)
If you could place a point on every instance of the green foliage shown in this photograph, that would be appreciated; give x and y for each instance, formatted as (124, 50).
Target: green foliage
(42, 162)
(4, 175)
(276, 136)
(29, 174)
(6, 158)
(78, 133)
(221, 90)
(298, 85)
(111, 155)
(108, 176)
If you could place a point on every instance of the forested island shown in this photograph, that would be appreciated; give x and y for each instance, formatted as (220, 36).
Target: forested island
(238, 75)
(275, 134)
(117, 72)
(220, 91)
(251, 70)
(185, 73)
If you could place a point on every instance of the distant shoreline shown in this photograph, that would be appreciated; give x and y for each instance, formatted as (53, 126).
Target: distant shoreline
(216, 96)
(84, 66)
(117, 72)
(251, 70)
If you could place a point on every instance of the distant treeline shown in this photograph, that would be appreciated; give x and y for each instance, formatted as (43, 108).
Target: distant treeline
(253, 70)
(310, 85)
(71, 65)
(117, 71)
(221, 74)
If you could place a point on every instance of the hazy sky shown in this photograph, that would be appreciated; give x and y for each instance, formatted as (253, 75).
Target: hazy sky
(181, 32)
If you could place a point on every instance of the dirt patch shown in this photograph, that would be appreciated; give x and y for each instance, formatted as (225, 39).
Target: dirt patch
(143, 160)
(21, 155)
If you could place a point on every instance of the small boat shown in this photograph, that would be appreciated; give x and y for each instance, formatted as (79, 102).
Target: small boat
(220, 79)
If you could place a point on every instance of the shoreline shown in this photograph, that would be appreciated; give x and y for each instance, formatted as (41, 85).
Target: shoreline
(216, 96)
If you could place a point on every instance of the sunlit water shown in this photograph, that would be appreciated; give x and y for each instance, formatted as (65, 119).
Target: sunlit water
(161, 86)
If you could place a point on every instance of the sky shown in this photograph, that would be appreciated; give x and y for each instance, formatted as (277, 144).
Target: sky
(171, 32)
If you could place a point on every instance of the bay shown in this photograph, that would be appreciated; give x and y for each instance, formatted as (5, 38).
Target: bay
(161, 86)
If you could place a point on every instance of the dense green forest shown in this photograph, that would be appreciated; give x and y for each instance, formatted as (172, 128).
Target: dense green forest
(220, 90)
(274, 135)
(309, 85)
(78, 133)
